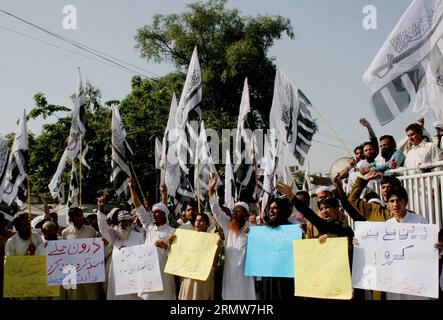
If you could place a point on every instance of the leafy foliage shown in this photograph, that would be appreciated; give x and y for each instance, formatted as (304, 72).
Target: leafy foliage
(231, 47)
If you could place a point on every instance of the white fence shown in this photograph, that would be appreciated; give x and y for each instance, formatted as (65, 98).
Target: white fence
(424, 186)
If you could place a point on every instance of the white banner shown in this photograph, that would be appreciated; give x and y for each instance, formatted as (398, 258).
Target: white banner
(83, 258)
(396, 257)
(408, 68)
(136, 269)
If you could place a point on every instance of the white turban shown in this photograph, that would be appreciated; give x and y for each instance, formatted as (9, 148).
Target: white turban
(162, 207)
(124, 215)
(325, 189)
(242, 204)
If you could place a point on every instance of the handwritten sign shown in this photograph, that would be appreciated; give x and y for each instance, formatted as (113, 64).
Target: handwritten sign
(136, 269)
(86, 255)
(192, 254)
(322, 269)
(269, 251)
(396, 257)
(25, 277)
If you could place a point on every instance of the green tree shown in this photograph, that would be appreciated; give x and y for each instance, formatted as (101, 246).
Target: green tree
(46, 149)
(43, 108)
(230, 46)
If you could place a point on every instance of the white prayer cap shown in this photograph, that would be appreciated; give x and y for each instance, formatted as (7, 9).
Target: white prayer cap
(242, 204)
(124, 215)
(363, 164)
(325, 189)
(438, 124)
(52, 211)
(162, 207)
(322, 189)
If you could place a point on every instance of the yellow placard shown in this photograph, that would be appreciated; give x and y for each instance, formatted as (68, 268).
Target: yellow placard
(192, 254)
(25, 277)
(322, 270)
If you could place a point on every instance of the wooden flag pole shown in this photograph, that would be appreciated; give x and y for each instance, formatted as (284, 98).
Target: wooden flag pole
(165, 157)
(29, 198)
(29, 207)
(257, 193)
(211, 173)
(163, 178)
(136, 179)
(80, 172)
(198, 177)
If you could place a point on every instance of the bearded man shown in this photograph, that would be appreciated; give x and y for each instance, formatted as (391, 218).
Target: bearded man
(390, 157)
(24, 242)
(122, 236)
(236, 286)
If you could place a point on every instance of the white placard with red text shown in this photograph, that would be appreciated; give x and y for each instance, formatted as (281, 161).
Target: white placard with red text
(83, 258)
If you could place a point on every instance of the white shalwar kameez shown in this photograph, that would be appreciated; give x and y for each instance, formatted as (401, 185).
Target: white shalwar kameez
(134, 238)
(154, 233)
(423, 153)
(16, 246)
(236, 286)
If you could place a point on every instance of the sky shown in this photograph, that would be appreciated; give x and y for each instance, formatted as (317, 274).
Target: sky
(326, 59)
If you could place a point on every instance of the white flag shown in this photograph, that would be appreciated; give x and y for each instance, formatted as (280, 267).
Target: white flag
(15, 181)
(56, 181)
(172, 174)
(243, 151)
(282, 168)
(158, 153)
(190, 100)
(121, 156)
(74, 186)
(172, 113)
(204, 165)
(290, 117)
(191, 96)
(408, 69)
(269, 171)
(78, 125)
(76, 139)
(3, 163)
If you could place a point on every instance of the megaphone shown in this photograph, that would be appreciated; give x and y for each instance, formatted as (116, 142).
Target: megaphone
(339, 166)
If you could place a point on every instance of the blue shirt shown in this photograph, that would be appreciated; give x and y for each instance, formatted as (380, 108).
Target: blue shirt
(399, 158)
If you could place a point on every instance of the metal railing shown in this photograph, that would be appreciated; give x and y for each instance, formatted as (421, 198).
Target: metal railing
(424, 187)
